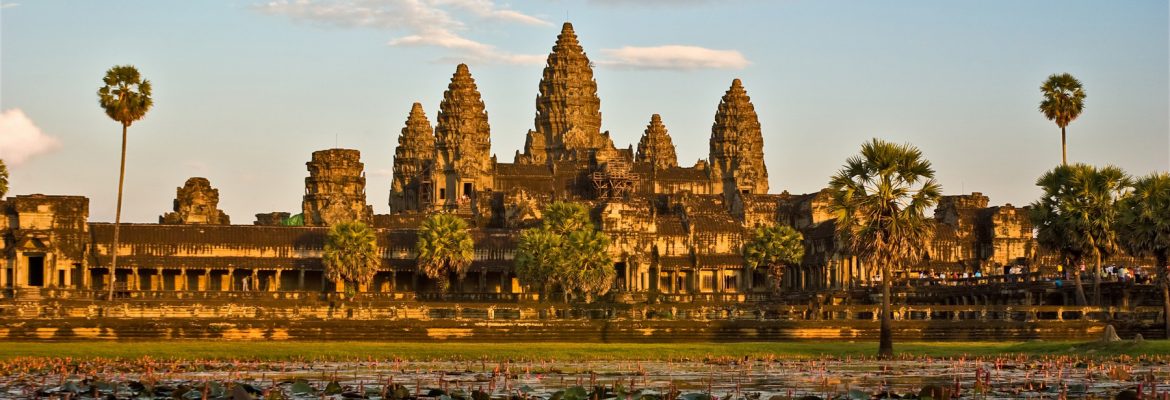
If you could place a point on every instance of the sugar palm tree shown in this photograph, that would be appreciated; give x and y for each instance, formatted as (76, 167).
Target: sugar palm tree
(351, 254)
(1076, 217)
(126, 99)
(3, 179)
(444, 247)
(774, 248)
(565, 217)
(589, 268)
(539, 259)
(880, 198)
(1064, 99)
(1143, 225)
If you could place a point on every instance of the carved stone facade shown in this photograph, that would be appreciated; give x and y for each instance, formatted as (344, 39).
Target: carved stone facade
(737, 145)
(335, 190)
(196, 202)
(415, 153)
(568, 111)
(463, 160)
(655, 147)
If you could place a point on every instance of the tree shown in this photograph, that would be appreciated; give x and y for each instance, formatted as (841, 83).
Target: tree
(1143, 228)
(880, 198)
(590, 268)
(3, 179)
(1064, 99)
(775, 248)
(565, 217)
(538, 259)
(444, 247)
(351, 254)
(568, 251)
(126, 99)
(1076, 214)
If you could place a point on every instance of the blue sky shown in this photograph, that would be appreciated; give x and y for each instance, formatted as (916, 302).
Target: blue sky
(245, 91)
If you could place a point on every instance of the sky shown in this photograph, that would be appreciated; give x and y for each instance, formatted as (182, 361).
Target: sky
(245, 91)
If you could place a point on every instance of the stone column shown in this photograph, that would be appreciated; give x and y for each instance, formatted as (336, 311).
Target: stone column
(186, 282)
(276, 285)
(301, 280)
(393, 280)
(674, 281)
(226, 282)
(137, 279)
(205, 283)
(255, 283)
(483, 280)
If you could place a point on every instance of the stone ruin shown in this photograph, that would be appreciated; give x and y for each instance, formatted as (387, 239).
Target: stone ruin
(335, 190)
(196, 202)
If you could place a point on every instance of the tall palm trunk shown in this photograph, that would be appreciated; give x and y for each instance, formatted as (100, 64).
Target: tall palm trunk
(118, 215)
(1097, 278)
(1063, 148)
(1164, 276)
(885, 335)
(1080, 287)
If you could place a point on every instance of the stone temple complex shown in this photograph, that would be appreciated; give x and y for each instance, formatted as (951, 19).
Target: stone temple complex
(677, 230)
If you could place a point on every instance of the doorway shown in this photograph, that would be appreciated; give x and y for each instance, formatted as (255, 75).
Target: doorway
(36, 271)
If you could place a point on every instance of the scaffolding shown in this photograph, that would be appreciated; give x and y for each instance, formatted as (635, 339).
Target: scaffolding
(615, 180)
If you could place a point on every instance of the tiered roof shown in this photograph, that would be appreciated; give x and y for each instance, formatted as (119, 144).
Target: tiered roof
(737, 145)
(463, 137)
(656, 147)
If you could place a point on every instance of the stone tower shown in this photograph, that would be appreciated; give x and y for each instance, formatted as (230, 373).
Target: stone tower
(335, 190)
(416, 149)
(656, 147)
(196, 203)
(737, 146)
(568, 111)
(462, 143)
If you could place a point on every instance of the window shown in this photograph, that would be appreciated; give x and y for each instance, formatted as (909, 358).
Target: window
(442, 194)
(706, 281)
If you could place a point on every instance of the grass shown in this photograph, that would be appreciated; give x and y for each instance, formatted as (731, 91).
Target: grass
(340, 351)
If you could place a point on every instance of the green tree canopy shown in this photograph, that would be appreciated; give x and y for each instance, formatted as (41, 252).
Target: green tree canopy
(444, 247)
(566, 251)
(1064, 99)
(351, 253)
(1076, 215)
(880, 198)
(1143, 227)
(774, 247)
(565, 217)
(538, 258)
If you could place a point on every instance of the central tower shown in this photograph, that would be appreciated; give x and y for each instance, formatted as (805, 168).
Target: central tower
(568, 111)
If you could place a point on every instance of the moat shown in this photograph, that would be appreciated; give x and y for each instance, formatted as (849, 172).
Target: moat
(1007, 377)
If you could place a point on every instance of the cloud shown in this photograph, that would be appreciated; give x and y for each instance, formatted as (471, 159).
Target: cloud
(423, 23)
(672, 57)
(20, 139)
(9, 5)
(650, 3)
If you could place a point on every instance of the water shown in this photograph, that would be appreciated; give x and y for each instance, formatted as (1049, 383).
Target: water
(732, 379)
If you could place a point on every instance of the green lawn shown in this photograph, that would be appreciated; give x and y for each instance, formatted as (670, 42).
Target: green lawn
(281, 350)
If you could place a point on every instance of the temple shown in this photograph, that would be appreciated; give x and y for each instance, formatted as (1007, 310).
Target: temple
(677, 230)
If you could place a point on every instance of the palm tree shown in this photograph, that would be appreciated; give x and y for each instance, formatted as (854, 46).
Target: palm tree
(774, 247)
(1076, 216)
(1064, 99)
(589, 268)
(538, 259)
(126, 99)
(3, 179)
(351, 254)
(880, 198)
(1143, 226)
(444, 247)
(565, 217)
